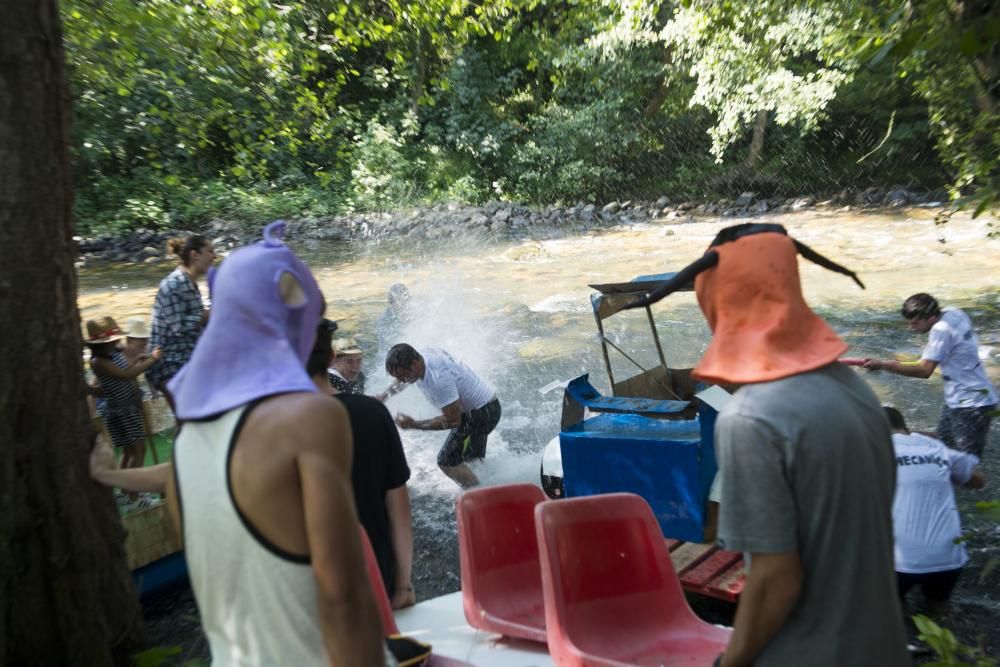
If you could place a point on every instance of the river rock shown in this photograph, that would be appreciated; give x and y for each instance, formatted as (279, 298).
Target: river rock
(663, 202)
(745, 199)
(611, 208)
(800, 203)
(896, 198)
(869, 197)
(150, 251)
(525, 253)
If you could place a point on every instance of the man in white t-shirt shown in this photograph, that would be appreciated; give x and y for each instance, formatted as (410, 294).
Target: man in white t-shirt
(468, 404)
(969, 397)
(925, 517)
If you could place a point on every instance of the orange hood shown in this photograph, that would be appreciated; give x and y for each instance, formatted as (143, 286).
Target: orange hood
(762, 328)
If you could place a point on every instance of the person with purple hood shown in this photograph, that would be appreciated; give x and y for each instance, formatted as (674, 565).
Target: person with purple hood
(260, 478)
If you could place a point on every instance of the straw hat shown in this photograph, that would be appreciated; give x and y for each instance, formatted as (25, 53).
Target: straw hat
(136, 327)
(343, 347)
(103, 330)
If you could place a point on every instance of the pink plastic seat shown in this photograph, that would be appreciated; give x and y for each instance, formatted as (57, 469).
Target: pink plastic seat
(501, 579)
(378, 588)
(611, 594)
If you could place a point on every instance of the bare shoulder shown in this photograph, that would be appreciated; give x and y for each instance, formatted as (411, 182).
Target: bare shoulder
(301, 421)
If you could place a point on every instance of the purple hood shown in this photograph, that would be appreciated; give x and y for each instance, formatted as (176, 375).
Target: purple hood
(255, 345)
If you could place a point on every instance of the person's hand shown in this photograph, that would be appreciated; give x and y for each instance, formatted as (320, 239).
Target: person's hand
(157, 353)
(102, 459)
(403, 597)
(872, 364)
(405, 421)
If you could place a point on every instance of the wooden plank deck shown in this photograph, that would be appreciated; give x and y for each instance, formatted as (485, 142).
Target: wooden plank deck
(707, 570)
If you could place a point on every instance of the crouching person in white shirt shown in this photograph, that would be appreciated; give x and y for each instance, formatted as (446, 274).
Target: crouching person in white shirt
(925, 516)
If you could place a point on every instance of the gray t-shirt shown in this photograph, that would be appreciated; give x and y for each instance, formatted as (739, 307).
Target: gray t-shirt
(806, 464)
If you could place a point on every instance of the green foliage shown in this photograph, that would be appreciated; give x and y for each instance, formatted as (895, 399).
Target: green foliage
(773, 59)
(249, 109)
(156, 656)
(949, 651)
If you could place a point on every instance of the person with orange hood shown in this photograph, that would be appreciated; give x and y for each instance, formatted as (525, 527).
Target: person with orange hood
(805, 460)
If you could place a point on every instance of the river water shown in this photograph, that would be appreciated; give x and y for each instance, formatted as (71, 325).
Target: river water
(519, 314)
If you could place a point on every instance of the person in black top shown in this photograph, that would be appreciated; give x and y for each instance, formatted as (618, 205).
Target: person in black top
(379, 474)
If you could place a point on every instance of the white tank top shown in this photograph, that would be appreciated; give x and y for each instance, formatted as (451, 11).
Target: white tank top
(258, 604)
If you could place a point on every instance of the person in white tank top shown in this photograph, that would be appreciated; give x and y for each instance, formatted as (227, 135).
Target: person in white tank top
(259, 482)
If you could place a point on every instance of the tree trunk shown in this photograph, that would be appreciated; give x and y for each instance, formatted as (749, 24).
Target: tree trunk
(66, 597)
(757, 141)
(420, 70)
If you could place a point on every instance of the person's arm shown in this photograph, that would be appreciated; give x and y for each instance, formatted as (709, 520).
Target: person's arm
(181, 308)
(976, 481)
(397, 507)
(450, 417)
(964, 469)
(352, 629)
(392, 390)
(142, 364)
(772, 588)
(922, 369)
(150, 478)
(757, 515)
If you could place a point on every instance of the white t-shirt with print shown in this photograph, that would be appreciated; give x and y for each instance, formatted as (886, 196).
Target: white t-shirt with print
(924, 514)
(952, 343)
(447, 379)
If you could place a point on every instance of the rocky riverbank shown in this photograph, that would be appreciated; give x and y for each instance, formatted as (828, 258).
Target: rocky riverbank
(495, 220)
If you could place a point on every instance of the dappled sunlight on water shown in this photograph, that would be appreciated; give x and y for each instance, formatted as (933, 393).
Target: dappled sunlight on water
(518, 313)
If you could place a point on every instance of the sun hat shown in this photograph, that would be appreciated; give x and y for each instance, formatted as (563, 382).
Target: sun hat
(343, 347)
(256, 342)
(136, 327)
(748, 288)
(102, 330)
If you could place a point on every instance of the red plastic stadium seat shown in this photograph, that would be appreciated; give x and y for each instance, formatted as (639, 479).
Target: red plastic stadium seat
(378, 588)
(501, 579)
(611, 594)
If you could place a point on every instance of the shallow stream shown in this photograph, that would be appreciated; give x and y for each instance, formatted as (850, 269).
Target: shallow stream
(519, 314)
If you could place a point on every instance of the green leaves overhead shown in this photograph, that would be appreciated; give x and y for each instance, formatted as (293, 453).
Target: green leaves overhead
(371, 101)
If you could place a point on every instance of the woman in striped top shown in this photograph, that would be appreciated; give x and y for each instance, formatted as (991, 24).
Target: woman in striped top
(122, 408)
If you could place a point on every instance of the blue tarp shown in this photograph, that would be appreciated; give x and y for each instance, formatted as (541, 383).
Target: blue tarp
(584, 393)
(669, 462)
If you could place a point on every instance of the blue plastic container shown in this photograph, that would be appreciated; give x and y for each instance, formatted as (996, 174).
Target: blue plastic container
(670, 463)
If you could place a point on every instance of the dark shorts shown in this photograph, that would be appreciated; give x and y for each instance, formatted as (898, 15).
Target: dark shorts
(965, 429)
(937, 586)
(468, 441)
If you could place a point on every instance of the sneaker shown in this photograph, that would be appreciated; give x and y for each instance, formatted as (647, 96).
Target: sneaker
(145, 501)
(122, 500)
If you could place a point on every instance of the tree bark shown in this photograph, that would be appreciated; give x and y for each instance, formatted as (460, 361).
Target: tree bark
(419, 84)
(757, 141)
(66, 596)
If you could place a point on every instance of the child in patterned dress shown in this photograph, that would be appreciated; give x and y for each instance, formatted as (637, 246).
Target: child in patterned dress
(122, 408)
